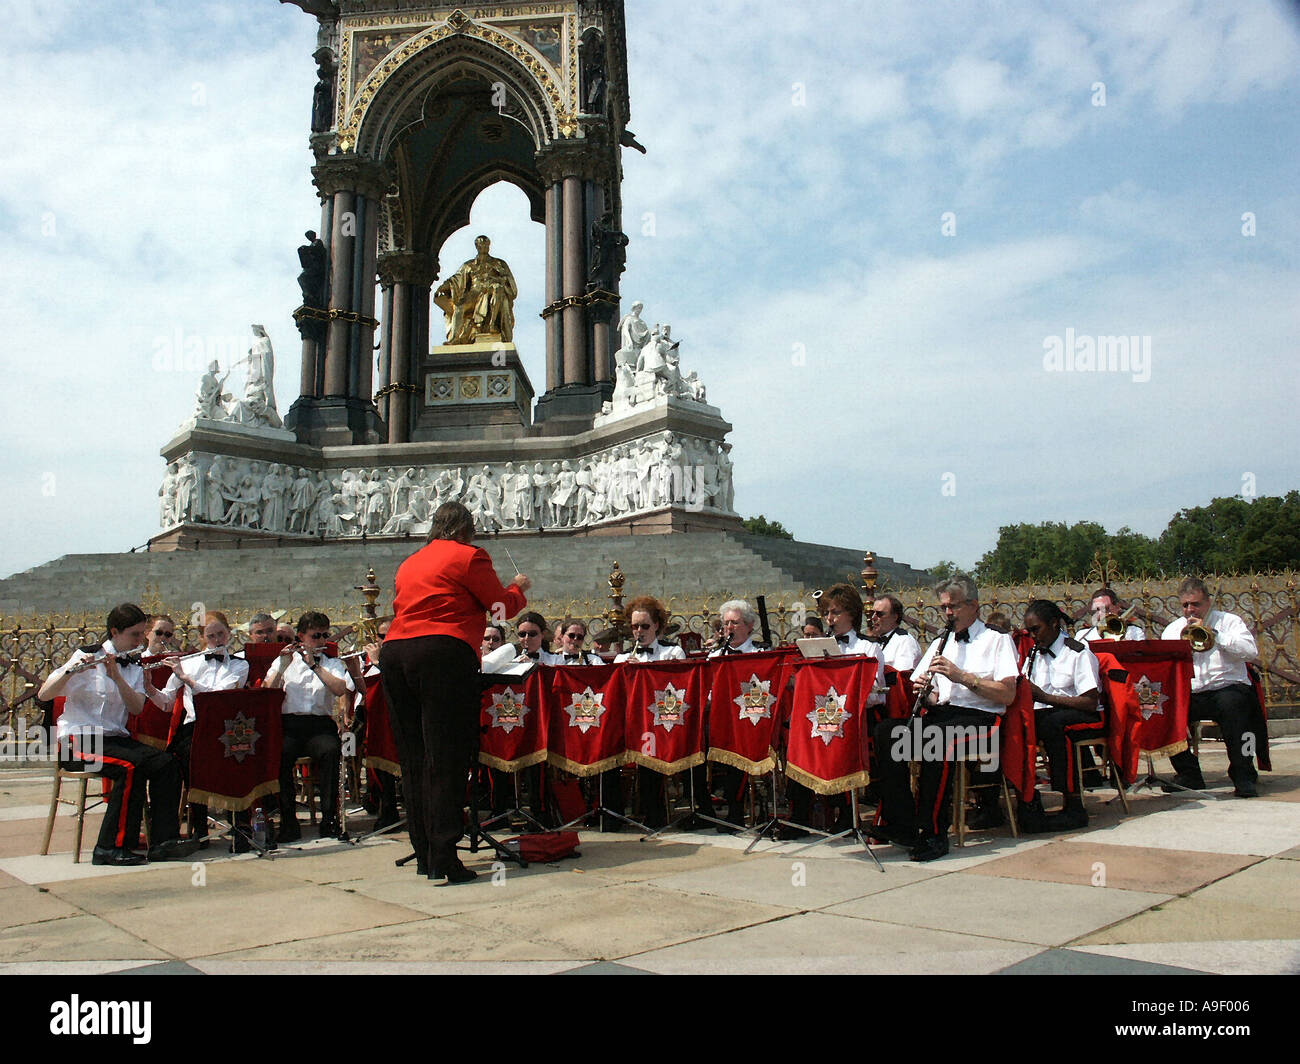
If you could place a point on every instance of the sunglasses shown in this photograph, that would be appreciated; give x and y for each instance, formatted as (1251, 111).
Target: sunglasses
(575, 635)
(317, 635)
(529, 635)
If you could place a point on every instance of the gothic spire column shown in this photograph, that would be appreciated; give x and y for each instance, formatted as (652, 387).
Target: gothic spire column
(407, 279)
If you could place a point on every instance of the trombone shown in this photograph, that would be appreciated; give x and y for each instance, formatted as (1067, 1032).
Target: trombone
(1114, 626)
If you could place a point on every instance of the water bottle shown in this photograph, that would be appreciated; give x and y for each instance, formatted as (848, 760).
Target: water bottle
(259, 828)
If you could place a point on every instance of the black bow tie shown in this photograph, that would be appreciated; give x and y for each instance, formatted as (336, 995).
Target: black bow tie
(843, 639)
(214, 657)
(572, 659)
(729, 649)
(126, 659)
(1049, 653)
(534, 657)
(647, 651)
(962, 637)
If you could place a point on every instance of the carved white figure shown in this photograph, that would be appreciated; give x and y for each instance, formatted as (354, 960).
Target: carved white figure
(302, 497)
(327, 512)
(211, 400)
(274, 487)
(245, 510)
(584, 483)
(726, 488)
(482, 499)
(261, 376)
(509, 498)
(414, 518)
(402, 487)
(541, 493)
(634, 335)
(693, 387)
(186, 479)
(524, 493)
(376, 492)
(167, 510)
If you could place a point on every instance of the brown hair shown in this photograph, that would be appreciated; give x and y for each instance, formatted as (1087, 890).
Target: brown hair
(215, 615)
(846, 597)
(651, 605)
(452, 521)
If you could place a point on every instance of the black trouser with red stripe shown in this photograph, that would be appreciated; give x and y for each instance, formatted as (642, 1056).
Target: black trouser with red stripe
(432, 684)
(931, 810)
(131, 765)
(316, 736)
(1058, 730)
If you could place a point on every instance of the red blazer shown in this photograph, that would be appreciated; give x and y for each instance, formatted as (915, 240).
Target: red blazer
(446, 589)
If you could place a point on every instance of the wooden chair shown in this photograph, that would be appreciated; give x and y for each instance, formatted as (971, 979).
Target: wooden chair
(961, 788)
(305, 774)
(1107, 765)
(61, 774)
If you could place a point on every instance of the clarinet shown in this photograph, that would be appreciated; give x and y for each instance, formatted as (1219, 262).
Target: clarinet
(918, 707)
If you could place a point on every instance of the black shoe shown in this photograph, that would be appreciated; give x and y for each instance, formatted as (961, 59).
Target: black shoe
(110, 856)
(1033, 821)
(173, 850)
(1184, 783)
(887, 835)
(610, 826)
(239, 843)
(728, 829)
(387, 818)
(330, 829)
(1093, 778)
(1068, 819)
(204, 842)
(1246, 789)
(985, 817)
(458, 873)
(929, 849)
(290, 831)
(788, 834)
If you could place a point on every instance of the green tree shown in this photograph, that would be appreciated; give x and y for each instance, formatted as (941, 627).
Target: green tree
(1054, 551)
(1233, 535)
(761, 526)
(942, 570)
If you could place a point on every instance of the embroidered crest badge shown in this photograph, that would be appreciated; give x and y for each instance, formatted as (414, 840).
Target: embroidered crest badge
(586, 710)
(508, 710)
(240, 738)
(1151, 698)
(755, 699)
(828, 716)
(669, 707)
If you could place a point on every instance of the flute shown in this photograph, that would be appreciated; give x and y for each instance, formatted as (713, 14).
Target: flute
(133, 658)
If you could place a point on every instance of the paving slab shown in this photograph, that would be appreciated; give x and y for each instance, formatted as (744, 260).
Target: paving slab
(1049, 914)
(1234, 825)
(793, 883)
(1197, 919)
(204, 922)
(1269, 884)
(627, 859)
(58, 868)
(1260, 957)
(613, 920)
(86, 938)
(170, 884)
(20, 837)
(508, 885)
(34, 812)
(217, 966)
(65, 968)
(1119, 867)
(333, 862)
(29, 905)
(1292, 854)
(437, 939)
(821, 943)
(1074, 962)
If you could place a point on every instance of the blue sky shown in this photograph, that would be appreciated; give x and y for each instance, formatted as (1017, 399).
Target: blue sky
(886, 381)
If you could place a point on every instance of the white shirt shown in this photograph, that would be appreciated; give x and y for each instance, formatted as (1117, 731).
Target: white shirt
(1225, 663)
(224, 674)
(747, 647)
(92, 700)
(857, 646)
(901, 650)
(583, 659)
(304, 691)
(1063, 670)
(1087, 635)
(988, 654)
(661, 652)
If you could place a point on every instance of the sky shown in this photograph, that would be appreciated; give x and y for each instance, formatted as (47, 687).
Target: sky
(875, 226)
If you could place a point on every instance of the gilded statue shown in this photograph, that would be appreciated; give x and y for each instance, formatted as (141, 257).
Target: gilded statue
(479, 299)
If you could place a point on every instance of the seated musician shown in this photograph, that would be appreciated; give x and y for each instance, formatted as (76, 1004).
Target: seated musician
(647, 618)
(900, 649)
(161, 638)
(213, 670)
(382, 793)
(974, 682)
(530, 627)
(812, 628)
(1105, 603)
(1063, 677)
(841, 609)
(102, 686)
(494, 637)
(261, 628)
(738, 620)
(572, 635)
(1221, 690)
(311, 679)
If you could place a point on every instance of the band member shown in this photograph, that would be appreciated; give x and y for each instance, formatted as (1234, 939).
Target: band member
(812, 628)
(573, 634)
(311, 679)
(494, 637)
(1105, 603)
(431, 676)
(841, 609)
(531, 629)
(93, 737)
(738, 620)
(900, 650)
(647, 618)
(383, 785)
(213, 670)
(1063, 677)
(974, 682)
(284, 634)
(261, 628)
(1221, 690)
(162, 636)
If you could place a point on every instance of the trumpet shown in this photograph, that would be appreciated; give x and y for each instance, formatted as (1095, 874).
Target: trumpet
(133, 658)
(1200, 636)
(1114, 626)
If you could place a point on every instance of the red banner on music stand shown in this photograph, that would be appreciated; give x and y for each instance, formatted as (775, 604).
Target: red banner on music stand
(584, 707)
(381, 745)
(512, 726)
(235, 752)
(745, 709)
(898, 695)
(665, 714)
(828, 743)
(1148, 706)
(153, 726)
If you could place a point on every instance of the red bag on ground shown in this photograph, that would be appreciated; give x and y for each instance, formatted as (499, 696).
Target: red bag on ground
(546, 846)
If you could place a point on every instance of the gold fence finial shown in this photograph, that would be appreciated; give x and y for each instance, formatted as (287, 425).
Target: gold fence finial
(869, 573)
(368, 628)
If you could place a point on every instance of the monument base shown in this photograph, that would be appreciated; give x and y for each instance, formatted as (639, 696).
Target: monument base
(334, 421)
(474, 392)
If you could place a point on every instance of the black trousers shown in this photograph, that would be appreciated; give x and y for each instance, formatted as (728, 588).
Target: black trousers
(1231, 709)
(1058, 730)
(131, 766)
(931, 810)
(317, 737)
(432, 684)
